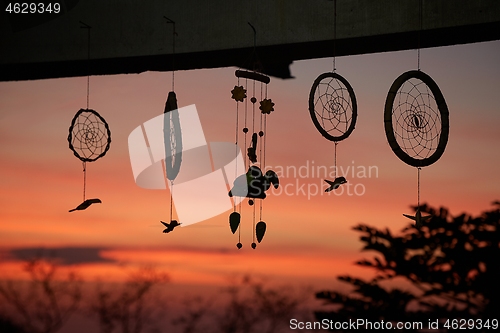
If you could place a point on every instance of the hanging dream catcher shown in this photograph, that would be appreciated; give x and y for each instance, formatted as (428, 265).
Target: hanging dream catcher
(333, 110)
(416, 120)
(255, 182)
(172, 138)
(89, 137)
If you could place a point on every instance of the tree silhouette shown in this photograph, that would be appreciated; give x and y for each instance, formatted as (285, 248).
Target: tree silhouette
(248, 305)
(129, 307)
(450, 266)
(44, 303)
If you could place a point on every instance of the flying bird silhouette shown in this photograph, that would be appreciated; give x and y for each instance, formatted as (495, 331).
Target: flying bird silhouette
(418, 218)
(86, 204)
(335, 184)
(170, 226)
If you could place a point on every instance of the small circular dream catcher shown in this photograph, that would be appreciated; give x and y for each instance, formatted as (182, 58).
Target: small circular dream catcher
(416, 122)
(89, 136)
(333, 109)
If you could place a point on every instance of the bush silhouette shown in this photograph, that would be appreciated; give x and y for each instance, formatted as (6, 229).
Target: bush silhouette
(449, 267)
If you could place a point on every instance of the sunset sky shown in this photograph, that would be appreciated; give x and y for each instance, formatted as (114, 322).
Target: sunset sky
(308, 241)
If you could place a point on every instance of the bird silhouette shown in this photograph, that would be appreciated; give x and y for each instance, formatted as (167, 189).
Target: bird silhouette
(418, 218)
(252, 155)
(170, 226)
(86, 204)
(335, 184)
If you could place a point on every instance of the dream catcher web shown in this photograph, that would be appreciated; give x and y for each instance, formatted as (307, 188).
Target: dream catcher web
(254, 183)
(416, 119)
(333, 108)
(89, 136)
(416, 122)
(172, 137)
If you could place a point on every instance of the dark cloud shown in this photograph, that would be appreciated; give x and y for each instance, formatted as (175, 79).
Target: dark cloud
(64, 255)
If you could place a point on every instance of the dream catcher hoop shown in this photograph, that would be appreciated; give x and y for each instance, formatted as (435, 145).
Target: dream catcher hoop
(333, 109)
(254, 183)
(416, 120)
(89, 137)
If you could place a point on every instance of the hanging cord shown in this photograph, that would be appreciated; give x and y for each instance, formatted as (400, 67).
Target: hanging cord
(419, 30)
(418, 188)
(174, 33)
(263, 159)
(247, 159)
(254, 52)
(261, 150)
(253, 230)
(84, 164)
(171, 199)
(88, 27)
(236, 147)
(239, 235)
(265, 132)
(335, 159)
(253, 109)
(334, 32)
(246, 133)
(261, 138)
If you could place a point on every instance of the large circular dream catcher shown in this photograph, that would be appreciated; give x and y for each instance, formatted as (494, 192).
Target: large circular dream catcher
(89, 136)
(333, 109)
(416, 122)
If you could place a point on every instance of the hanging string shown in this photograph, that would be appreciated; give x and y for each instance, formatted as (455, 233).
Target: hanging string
(253, 232)
(84, 164)
(419, 30)
(418, 188)
(236, 146)
(246, 127)
(174, 33)
(265, 133)
(253, 109)
(334, 32)
(261, 138)
(86, 26)
(171, 198)
(335, 159)
(261, 150)
(239, 235)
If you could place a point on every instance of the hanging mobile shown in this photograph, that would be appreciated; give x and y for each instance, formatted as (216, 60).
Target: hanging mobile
(416, 120)
(172, 138)
(333, 108)
(89, 135)
(254, 183)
